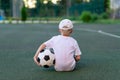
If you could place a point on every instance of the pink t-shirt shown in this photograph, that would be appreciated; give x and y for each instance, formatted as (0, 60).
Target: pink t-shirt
(65, 49)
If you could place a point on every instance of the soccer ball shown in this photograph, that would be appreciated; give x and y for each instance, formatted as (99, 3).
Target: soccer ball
(46, 58)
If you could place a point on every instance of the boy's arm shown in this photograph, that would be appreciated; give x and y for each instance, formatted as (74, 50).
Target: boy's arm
(37, 52)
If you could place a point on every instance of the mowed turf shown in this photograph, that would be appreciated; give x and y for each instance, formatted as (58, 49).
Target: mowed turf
(100, 58)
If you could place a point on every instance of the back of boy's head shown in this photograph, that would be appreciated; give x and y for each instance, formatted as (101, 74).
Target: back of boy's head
(65, 24)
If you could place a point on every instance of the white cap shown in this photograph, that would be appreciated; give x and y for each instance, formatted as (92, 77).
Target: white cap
(66, 24)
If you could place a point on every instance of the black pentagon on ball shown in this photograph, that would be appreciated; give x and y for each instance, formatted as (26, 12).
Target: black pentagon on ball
(46, 66)
(42, 50)
(46, 57)
(54, 61)
(38, 59)
(51, 50)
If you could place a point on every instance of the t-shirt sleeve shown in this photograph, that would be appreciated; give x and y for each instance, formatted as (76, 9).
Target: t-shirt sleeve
(49, 43)
(77, 49)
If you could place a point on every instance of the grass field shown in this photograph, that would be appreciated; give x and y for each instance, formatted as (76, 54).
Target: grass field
(99, 43)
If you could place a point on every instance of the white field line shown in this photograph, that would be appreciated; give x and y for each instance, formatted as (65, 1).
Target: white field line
(101, 32)
(108, 34)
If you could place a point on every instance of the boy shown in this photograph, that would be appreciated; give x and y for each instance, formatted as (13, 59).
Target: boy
(66, 48)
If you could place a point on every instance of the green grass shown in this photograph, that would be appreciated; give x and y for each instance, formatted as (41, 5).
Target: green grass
(109, 21)
(18, 43)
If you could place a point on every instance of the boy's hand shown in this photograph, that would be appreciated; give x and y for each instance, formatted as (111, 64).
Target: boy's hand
(42, 46)
(77, 58)
(35, 60)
